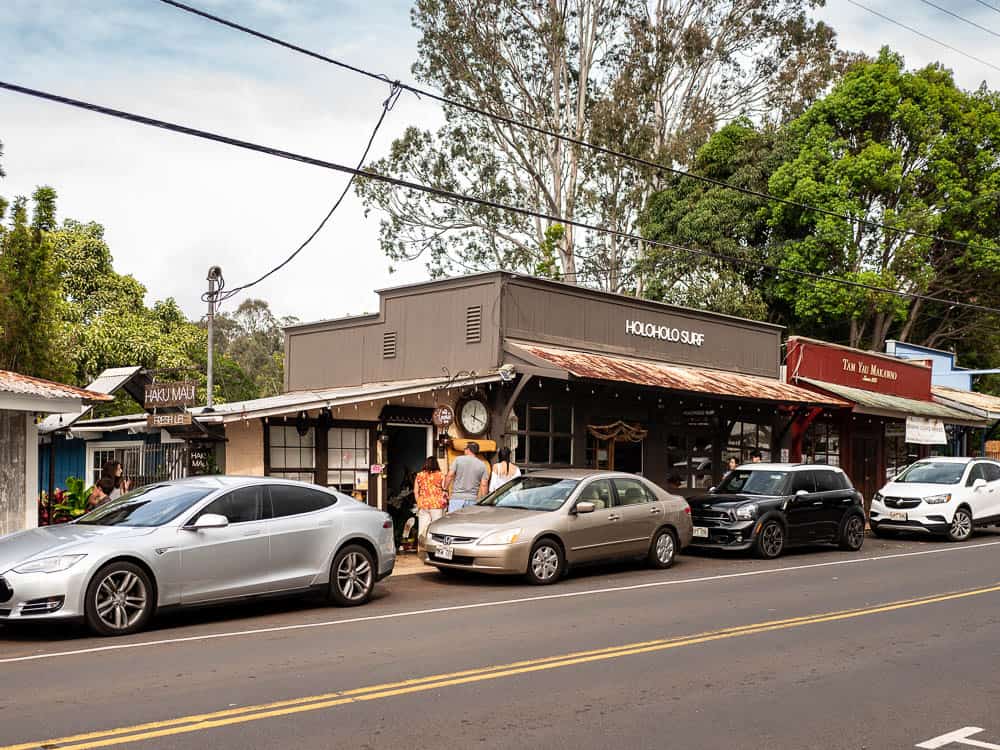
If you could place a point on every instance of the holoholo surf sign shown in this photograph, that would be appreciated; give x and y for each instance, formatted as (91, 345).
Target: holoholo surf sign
(664, 333)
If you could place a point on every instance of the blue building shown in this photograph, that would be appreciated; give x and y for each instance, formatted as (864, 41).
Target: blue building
(944, 368)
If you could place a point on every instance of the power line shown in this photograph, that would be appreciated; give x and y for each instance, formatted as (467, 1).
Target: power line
(953, 14)
(220, 296)
(928, 37)
(447, 194)
(421, 92)
(987, 5)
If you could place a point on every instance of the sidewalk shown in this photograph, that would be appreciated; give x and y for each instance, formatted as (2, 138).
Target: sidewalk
(408, 564)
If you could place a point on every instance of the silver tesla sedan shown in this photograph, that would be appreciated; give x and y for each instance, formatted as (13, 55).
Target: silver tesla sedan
(191, 542)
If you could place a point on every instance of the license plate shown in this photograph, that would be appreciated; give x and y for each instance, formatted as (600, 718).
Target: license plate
(701, 531)
(897, 516)
(444, 553)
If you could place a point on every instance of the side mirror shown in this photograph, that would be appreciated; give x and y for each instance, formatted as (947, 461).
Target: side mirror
(978, 484)
(585, 507)
(800, 493)
(208, 521)
(711, 490)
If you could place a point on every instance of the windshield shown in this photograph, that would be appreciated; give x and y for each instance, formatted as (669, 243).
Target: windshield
(753, 482)
(153, 505)
(532, 493)
(931, 472)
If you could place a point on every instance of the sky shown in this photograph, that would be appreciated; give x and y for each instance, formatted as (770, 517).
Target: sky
(172, 206)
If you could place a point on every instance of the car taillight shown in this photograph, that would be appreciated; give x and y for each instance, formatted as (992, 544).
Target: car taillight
(687, 509)
(387, 524)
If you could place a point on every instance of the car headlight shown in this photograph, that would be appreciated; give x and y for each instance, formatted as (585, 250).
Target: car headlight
(747, 512)
(877, 497)
(49, 564)
(937, 499)
(507, 536)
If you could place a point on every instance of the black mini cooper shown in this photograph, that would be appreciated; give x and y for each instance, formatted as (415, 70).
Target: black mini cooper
(768, 507)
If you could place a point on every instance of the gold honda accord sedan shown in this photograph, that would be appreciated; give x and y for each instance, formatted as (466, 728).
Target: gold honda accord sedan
(540, 524)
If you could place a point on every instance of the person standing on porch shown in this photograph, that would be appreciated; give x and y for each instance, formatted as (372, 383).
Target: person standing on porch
(432, 501)
(113, 471)
(503, 470)
(468, 479)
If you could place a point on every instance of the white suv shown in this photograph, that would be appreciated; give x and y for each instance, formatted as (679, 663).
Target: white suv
(946, 496)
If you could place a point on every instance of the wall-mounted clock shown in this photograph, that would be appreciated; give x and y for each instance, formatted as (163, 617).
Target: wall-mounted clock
(474, 415)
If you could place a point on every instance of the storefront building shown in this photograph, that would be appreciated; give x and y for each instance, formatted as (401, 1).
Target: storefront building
(894, 420)
(562, 375)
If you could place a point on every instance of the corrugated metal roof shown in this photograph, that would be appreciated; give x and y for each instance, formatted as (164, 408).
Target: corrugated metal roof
(25, 385)
(675, 377)
(869, 402)
(108, 382)
(294, 401)
(984, 403)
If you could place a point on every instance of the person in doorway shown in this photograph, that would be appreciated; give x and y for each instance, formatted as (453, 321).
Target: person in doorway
(733, 463)
(468, 479)
(503, 470)
(756, 457)
(120, 485)
(431, 498)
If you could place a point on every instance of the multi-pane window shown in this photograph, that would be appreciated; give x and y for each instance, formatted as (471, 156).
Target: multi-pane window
(541, 434)
(821, 444)
(745, 438)
(348, 460)
(293, 455)
(689, 458)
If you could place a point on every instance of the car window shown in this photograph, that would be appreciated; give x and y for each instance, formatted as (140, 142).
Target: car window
(975, 473)
(827, 481)
(288, 500)
(803, 480)
(239, 506)
(152, 505)
(931, 472)
(597, 492)
(753, 482)
(532, 493)
(992, 472)
(631, 492)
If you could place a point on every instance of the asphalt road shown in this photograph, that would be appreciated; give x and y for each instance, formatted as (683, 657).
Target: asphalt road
(888, 648)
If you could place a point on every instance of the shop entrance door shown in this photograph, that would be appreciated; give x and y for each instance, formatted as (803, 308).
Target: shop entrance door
(864, 467)
(617, 455)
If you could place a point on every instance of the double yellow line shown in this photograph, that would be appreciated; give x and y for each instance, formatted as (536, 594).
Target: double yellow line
(201, 722)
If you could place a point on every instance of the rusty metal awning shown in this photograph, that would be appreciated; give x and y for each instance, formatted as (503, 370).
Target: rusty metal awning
(620, 369)
(896, 407)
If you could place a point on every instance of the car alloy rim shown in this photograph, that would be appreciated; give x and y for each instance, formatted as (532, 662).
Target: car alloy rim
(354, 576)
(772, 539)
(855, 532)
(665, 548)
(121, 599)
(961, 525)
(544, 563)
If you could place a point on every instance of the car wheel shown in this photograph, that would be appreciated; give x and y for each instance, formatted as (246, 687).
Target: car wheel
(961, 525)
(352, 577)
(119, 599)
(852, 534)
(545, 564)
(663, 550)
(770, 541)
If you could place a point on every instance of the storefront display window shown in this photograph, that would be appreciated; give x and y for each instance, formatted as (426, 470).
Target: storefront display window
(292, 454)
(745, 438)
(541, 434)
(898, 453)
(348, 460)
(689, 458)
(821, 444)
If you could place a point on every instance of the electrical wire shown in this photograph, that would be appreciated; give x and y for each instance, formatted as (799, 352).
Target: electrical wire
(219, 296)
(953, 14)
(928, 37)
(421, 92)
(449, 195)
(985, 4)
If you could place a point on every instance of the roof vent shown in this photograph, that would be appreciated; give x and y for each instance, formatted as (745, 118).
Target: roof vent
(389, 345)
(473, 324)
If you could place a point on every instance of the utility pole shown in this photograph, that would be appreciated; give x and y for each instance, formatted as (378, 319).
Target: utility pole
(214, 275)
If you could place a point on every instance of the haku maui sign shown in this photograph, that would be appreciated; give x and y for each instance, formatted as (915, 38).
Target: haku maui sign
(664, 333)
(170, 394)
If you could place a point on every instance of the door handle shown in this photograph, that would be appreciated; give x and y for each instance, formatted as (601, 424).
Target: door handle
(655, 511)
(817, 502)
(614, 517)
(251, 533)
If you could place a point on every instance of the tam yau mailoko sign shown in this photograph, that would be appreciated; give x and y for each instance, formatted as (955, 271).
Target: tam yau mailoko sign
(664, 333)
(170, 394)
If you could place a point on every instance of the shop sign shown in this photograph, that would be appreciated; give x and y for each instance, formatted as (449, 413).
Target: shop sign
(443, 416)
(895, 429)
(664, 333)
(870, 371)
(170, 394)
(177, 419)
(922, 431)
(201, 459)
(375, 468)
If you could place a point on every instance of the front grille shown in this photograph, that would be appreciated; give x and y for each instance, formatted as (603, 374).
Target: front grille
(702, 517)
(454, 539)
(6, 592)
(901, 502)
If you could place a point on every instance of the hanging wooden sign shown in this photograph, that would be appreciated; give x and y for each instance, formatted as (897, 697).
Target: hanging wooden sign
(181, 393)
(443, 416)
(170, 419)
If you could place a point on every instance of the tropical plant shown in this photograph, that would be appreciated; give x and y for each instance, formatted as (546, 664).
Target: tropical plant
(74, 499)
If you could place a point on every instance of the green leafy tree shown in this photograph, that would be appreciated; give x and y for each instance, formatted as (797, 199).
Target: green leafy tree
(31, 333)
(251, 337)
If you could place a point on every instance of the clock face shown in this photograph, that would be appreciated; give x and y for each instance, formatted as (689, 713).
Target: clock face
(475, 417)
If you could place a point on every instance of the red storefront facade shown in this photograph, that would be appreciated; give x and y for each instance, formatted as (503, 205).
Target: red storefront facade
(894, 419)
